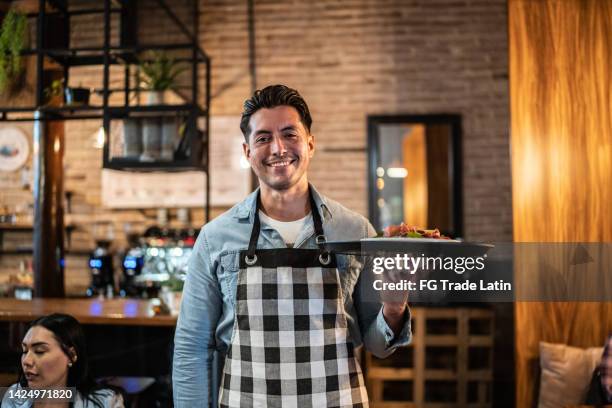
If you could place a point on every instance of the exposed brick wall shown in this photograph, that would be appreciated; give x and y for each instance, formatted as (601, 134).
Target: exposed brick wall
(349, 59)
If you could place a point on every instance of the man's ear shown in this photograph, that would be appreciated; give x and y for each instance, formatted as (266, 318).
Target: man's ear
(246, 150)
(311, 145)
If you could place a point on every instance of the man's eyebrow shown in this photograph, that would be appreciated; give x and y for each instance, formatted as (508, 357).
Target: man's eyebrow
(269, 132)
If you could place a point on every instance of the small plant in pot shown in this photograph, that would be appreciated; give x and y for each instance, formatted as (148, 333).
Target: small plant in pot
(158, 73)
(13, 39)
(71, 96)
(53, 91)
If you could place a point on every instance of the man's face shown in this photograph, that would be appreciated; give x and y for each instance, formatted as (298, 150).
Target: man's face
(279, 148)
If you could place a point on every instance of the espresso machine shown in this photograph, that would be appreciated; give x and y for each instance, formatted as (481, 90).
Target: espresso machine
(101, 268)
(155, 259)
(132, 265)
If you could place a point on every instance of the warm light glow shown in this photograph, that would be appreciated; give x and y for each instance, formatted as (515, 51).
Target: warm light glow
(397, 172)
(380, 183)
(380, 172)
(100, 138)
(529, 171)
(244, 163)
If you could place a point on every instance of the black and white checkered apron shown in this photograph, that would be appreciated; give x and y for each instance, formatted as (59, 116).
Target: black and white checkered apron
(290, 345)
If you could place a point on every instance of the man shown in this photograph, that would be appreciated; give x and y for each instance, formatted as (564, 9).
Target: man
(263, 292)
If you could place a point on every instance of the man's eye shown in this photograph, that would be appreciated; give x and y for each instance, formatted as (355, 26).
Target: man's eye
(262, 139)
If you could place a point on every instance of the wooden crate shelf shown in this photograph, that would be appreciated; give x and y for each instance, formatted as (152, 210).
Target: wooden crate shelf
(448, 364)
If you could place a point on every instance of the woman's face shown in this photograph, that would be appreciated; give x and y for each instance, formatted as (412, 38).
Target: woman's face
(44, 363)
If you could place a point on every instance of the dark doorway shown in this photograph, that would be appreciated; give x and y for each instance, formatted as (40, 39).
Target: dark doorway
(415, 171)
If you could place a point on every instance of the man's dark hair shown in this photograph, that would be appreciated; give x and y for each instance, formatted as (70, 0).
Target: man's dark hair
(271, 97)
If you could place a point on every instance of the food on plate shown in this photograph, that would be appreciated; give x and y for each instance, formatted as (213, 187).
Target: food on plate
(408, 231)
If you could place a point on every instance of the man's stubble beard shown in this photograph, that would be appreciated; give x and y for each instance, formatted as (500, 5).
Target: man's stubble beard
(287, 184)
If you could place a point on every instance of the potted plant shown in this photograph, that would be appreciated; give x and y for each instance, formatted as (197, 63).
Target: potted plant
(72, 95)
(172, 292)
(54, 90)
(13, 39)
(158, 74)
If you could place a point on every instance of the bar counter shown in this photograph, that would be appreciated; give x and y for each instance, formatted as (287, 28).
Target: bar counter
(119, 312)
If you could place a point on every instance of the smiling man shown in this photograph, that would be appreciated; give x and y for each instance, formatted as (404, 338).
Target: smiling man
(284, 315)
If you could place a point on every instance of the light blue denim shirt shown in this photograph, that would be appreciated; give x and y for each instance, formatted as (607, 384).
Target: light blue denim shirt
(206, 319)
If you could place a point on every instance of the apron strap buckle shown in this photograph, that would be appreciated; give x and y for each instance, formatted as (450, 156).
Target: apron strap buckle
(250, 259)
(325, 258)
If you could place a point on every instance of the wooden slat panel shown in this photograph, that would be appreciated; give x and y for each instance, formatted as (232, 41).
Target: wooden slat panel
(480, 340)
(394, 404)
(441, 340)
(419, 358)
(431, 374)
(462, 357)
(561, 85)
(424, 353)
(389, 373)
(450, 340)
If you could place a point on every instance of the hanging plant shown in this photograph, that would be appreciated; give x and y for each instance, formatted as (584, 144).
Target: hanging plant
(12, 41)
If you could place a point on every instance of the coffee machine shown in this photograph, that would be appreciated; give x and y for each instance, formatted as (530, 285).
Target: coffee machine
(155, 259)
(101, 268)
(132, 264)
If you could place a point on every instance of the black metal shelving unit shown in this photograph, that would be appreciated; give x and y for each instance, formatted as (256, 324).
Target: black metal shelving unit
(194, 109)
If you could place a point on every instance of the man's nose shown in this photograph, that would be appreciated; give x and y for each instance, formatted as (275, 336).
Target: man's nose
(278, 145)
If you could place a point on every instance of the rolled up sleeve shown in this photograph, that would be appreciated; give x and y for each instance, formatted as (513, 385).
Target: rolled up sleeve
(378, 337)
(391, 340)
(194, 341)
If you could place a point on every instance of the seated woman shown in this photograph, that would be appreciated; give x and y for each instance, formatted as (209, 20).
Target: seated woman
(54, 356)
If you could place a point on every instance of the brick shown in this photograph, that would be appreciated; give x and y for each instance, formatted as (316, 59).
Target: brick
(349, 59)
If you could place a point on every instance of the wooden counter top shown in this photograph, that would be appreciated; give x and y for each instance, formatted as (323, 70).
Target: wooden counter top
(130, 312)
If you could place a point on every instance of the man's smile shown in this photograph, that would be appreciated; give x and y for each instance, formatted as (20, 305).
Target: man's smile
(281, 163)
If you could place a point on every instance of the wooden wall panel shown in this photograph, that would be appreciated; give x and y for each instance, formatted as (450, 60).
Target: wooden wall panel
(561, 120)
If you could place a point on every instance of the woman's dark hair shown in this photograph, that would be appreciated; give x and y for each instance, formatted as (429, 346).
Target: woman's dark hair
(69, 334)
(271, 97)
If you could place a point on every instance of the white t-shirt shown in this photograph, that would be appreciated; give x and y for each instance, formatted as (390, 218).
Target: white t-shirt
(288, 230)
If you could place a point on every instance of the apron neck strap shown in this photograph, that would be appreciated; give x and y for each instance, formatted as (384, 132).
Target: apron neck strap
(316, 220)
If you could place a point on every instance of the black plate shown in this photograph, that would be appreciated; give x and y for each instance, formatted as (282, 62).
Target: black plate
(413, 246)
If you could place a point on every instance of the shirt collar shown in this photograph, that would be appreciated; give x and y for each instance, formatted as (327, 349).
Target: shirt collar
(246, 208)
